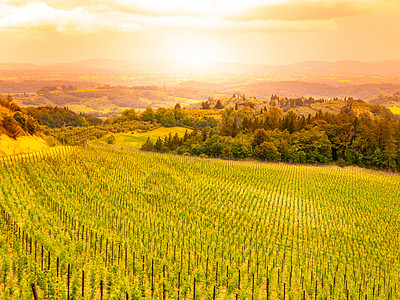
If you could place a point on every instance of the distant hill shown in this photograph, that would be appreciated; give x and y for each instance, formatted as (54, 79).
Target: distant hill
(264, 89)
(17, 66)
(387, 100)
(302, 106)
(106, 87)
(32, 86)
(308, 89)
(103, 100)
(388, 68)
(202, 85)
(391, 101)
(357, 107)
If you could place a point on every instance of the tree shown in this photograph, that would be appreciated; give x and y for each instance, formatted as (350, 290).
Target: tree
(260, 136)
(194, 132)
(240, 147)
(129, 114)
(148, 114)
(12, 127)
(111, 139)
(219, 105)
(159, 144)
(204, 134)
(176, 142)
(32, 125)
(177, 106)
(21, 119)
(315, 144)
(147, 146)
(166, 117)
(10, 98)
(205, 105)
(267, 151)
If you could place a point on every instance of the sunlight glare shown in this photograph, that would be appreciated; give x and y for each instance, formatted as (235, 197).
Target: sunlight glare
(196, 51)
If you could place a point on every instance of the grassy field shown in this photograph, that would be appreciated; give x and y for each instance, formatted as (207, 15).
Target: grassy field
(395, 110)
(135, 139)
(153, 226)
(23, 144)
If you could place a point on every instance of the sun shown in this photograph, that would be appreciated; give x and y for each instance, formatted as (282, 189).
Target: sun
(199, 54)
(197, 51)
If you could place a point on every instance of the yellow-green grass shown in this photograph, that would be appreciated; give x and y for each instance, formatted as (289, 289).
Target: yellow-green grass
(395, 110)
(23, 144)
(135, 139)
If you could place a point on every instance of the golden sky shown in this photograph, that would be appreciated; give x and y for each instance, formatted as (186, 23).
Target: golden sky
(249, 31)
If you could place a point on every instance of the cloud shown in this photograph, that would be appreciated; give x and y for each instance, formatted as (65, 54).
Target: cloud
(41, 17)
(85, 16)
(307, 10)
(161, 8)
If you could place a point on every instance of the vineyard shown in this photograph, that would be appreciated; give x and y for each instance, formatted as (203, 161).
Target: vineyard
(100, 223)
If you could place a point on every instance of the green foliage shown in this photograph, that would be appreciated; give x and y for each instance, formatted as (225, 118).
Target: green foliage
(260, 136)
(11, 127)
(27, 123)
(267, 151)
(315, 144)
(240, 147)
(56, 117)
(14, 121)
(111, 139)
(147, 146)
(77, 135)
(127, 115)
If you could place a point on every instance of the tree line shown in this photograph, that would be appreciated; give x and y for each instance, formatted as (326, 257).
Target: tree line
(271, 135)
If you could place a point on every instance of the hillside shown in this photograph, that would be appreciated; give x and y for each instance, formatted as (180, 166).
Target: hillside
(61, 117)
(264, 90)
(105, 100)
(303, 106)
(24, 87)
(135, 139)
(109, 100)
(391, 101)
(18, 130)
(22, 144)
(128, 224)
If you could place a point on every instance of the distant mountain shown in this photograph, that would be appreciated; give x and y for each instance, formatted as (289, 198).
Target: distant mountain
(17, 66)
(386, 68)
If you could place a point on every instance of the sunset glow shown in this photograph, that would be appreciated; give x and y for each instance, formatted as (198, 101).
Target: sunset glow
(256, 31)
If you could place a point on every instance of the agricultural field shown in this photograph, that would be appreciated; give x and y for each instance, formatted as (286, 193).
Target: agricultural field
(135, 139)
(100, 223)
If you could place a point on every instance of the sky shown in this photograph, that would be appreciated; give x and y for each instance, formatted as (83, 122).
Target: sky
(202, 31)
